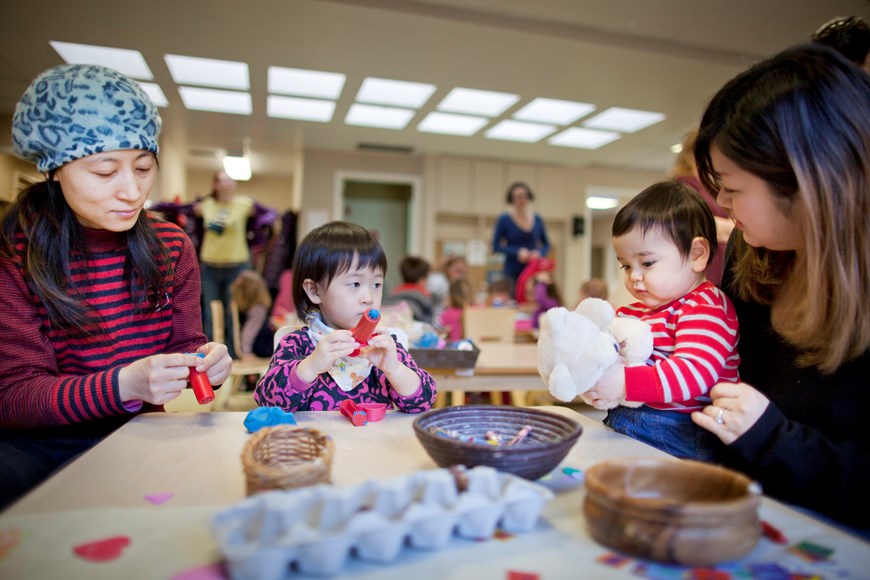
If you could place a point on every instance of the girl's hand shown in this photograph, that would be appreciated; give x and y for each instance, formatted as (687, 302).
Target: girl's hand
(381, 352)
(156, 379)
(741, 406)
(609, 389)
(337, 343)
(217, 363)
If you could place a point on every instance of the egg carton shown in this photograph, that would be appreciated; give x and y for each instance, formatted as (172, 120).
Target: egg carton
(315, 530)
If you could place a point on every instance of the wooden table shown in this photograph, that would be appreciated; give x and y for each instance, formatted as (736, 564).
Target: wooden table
(500, 367)
(196, 457)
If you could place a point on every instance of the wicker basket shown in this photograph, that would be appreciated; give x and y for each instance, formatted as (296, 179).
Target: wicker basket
(445, 358)
(285, 457)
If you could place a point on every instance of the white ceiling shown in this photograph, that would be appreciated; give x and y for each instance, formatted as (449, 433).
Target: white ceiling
(660, 55)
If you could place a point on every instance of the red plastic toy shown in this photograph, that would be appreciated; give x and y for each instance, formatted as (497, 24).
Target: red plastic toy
(200, 384)
(362, 413)
(364, 328)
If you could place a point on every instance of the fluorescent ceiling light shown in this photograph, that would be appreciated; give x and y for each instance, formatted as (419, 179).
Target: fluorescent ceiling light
(475, 102)
(305, 83)
(396, 93)
(155, 93)
(215, 100)
(380, 117)
(678, 148)
(208, 72)
(123, 60)
(583, 138)
(520, 131)
(238, 168)
(594, 202)
(302, 109)
(448, 124)
(624, 120)
(553, 111)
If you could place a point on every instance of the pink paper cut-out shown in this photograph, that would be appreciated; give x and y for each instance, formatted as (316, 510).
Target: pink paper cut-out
(213, 571)
(159, 498)
(102, 550)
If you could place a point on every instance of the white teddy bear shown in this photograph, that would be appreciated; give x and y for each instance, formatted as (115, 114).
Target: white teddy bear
(576, 347)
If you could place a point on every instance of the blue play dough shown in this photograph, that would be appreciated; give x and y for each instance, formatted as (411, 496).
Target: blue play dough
(261, 417)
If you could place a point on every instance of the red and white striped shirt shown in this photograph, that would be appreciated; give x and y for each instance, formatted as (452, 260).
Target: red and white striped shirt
(694, 347)
(50, 377)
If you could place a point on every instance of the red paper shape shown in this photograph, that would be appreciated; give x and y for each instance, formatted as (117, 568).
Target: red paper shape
(102, 550)
(515, 575)
(159, 498)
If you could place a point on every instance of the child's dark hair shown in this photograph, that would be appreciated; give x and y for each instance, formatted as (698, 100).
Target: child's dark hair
(675, 209)
(328, 251)
(413, 269)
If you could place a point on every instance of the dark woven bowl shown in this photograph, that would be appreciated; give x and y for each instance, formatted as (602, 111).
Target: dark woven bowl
(549, 441)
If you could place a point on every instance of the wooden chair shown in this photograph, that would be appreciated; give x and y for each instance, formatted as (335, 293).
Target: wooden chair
(241, 369)
(488, 324)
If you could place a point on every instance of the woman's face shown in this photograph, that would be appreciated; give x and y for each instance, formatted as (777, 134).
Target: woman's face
(520, 197)
(756, 211)
(107, 191)
(224, 184)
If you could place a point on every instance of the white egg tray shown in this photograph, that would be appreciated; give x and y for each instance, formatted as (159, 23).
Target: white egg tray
(314, 530)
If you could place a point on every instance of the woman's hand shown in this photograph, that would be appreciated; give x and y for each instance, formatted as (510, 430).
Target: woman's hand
(735, 408)
(523, 255)
(609, 389)
(336, 344)
(216, 364)
(156, 379)
(381, 352)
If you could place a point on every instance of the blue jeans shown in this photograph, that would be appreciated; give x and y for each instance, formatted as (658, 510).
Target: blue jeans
(25, 463)
(216, 283)
(672, 432)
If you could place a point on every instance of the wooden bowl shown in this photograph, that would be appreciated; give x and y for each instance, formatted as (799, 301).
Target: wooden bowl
(682, 512)
(548, 442)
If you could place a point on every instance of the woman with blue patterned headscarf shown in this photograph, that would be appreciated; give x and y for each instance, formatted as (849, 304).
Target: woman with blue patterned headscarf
(100, 299)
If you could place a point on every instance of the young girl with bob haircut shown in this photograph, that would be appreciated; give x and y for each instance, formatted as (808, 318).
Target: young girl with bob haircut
(786, 144)
(100, 299)
(338, 276)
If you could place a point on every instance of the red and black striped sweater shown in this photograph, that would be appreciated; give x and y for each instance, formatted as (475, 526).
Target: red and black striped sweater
(50, 378)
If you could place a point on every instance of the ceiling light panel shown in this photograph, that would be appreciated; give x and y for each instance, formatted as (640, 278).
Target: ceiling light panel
(583, 138)
(300, 109)
(476, 102)
(380, 117)
(305, 83)
(128, 62)
(520, 131)
(155, 93)
(394, 93)
(595, 202)
(208, 72)
(623, 120)
(449, 124)
(215, 100)
(553, 111)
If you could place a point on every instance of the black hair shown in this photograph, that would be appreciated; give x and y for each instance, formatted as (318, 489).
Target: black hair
(850, 36)
(329, 251)
(516, 185)
(41, 223)
(413, 269)
(676, 210)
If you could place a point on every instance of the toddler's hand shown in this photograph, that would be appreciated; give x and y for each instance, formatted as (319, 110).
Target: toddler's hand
(381, 352)
(609, 389)
(337, 343)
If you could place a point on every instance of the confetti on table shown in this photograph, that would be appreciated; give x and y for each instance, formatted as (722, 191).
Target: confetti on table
(515, 575)
(8, 540)
(102, 550)
(613, 560)
(208, 572)
(708, 574)
(159, 498)
(573, 473)
(503, 535)
(811, 552)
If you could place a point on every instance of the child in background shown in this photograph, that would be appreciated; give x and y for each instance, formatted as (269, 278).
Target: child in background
(546, 295)
(664, 239)
(413, 289)
(501, 294)
(251, 295)
(593, 288)
(458, 298)
(338, 275)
